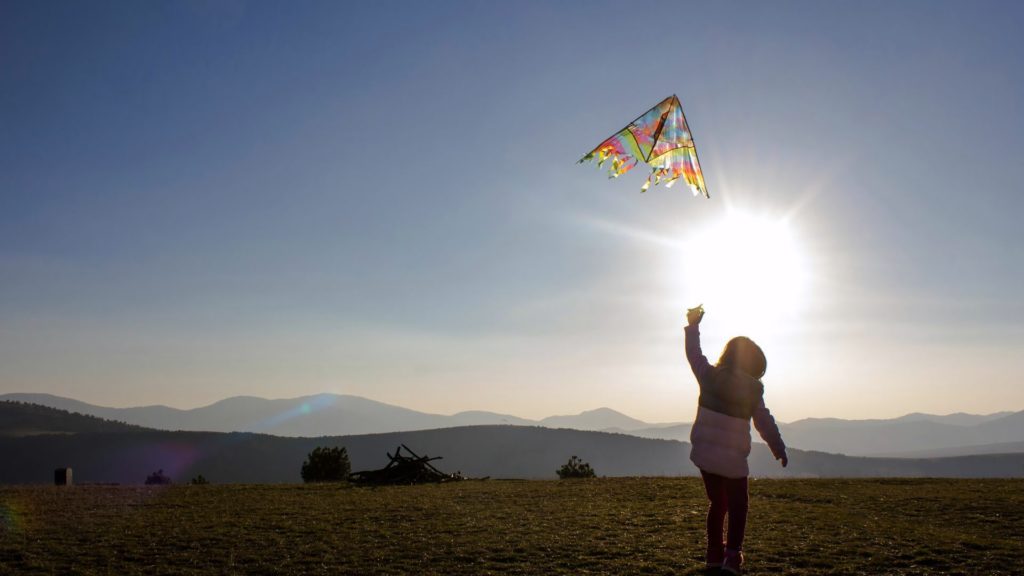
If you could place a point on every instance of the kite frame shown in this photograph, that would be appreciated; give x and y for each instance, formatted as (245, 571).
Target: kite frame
(596, 148)
(637, 143)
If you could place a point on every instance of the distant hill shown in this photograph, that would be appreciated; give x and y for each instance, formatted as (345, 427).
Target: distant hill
(480, 418)
(958, 418)
(127, 455)
(679, 432)
(1000, 448)
(19, 419)
(600, 419)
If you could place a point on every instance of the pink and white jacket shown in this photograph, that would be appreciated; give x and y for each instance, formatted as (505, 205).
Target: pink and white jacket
(729, 399)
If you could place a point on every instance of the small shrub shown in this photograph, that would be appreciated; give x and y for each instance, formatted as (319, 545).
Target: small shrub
(326, 465)
(199, 481)
(576, 468)
(158, 478)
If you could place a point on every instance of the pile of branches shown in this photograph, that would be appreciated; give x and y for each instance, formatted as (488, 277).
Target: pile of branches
(402, 469)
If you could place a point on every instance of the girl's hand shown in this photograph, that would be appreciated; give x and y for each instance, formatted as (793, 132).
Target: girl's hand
(695, 315)
(784, 459)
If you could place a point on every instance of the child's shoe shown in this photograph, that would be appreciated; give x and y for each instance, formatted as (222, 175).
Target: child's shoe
(715, 556)
(733, 562)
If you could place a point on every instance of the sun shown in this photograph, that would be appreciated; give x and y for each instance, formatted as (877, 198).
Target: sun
(748, 271)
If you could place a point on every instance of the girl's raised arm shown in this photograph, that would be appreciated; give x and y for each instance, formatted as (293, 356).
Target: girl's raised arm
(698, 362)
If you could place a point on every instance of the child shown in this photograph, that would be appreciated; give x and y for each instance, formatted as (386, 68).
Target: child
(731, 394)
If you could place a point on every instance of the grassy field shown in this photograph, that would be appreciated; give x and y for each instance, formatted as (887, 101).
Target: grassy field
(605, 526)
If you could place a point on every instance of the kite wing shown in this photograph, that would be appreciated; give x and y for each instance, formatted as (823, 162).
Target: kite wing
(659, 138)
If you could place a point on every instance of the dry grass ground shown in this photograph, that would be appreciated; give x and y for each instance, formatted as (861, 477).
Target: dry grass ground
(604, 526)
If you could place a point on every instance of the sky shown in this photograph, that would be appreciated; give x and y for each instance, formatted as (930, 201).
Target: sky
(201, 200)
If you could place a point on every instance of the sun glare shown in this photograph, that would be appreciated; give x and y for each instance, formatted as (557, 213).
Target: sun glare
(747, 271)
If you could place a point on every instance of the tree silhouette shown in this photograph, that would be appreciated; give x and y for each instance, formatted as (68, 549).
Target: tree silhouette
(158, 478)
(326, 465)
(576, 468)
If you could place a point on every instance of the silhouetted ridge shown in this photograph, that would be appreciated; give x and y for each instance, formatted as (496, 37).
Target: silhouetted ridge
(24, 419)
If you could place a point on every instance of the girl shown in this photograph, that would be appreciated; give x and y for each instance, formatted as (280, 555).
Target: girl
(731, 394)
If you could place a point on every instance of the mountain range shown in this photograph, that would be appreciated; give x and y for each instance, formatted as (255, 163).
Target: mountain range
(318, 415)
(34, 440)
(344, 415)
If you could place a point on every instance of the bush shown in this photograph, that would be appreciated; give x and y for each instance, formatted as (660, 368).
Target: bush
(326, 465)
(576, 468)
(158, 478)
(199, 480)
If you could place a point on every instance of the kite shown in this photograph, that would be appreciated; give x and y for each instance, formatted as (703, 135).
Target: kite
(662, 140)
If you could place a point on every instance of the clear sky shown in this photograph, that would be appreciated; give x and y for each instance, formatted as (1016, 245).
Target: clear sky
(207, 199)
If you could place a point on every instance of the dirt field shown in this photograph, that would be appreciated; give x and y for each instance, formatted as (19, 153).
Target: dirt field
(604, 526)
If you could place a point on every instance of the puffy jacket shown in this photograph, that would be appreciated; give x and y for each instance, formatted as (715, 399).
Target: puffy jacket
(729, 399)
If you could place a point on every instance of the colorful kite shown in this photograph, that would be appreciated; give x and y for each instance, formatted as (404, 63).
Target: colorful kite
(662, 140)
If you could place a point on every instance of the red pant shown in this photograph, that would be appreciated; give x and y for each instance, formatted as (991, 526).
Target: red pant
(727, 495)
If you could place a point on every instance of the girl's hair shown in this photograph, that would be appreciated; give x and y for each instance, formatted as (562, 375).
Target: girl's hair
(743, 354)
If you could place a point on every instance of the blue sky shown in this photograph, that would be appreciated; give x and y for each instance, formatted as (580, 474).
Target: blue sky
(200, 200)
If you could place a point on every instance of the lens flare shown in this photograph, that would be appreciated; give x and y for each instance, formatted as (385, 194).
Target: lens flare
(11, 520)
